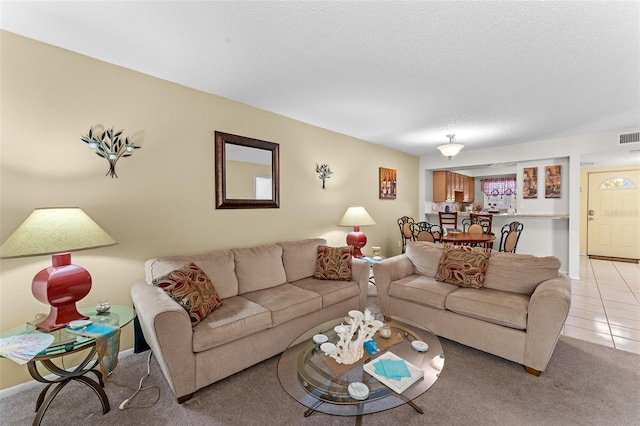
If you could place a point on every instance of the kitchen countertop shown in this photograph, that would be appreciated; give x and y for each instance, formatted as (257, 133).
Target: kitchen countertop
(518, 215)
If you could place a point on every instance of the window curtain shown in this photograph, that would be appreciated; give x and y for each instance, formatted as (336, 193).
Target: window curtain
(499, 186)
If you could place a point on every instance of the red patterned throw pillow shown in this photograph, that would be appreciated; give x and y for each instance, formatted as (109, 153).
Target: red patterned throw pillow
(192, 289)
(333, 263)
(463, 266)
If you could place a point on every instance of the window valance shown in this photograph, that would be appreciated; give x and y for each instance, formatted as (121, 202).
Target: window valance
(499, 186)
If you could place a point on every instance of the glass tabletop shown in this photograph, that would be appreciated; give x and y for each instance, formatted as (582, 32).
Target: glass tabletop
(305, 374)
(65, 339)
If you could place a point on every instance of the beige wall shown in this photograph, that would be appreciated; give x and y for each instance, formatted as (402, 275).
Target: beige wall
(584, 192)
(163, 201)
(240, 181)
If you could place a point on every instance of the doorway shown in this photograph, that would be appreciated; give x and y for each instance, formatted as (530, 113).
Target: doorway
(613, 214)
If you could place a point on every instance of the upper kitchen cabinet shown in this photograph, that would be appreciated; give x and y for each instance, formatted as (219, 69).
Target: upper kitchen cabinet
(450, 186)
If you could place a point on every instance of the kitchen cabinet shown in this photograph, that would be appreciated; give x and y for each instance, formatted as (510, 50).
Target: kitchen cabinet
(440, 187)
(469, 190)
(451, 186)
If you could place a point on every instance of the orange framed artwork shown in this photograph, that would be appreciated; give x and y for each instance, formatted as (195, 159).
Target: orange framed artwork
(552, 180)
(388, 183)
(530, 182)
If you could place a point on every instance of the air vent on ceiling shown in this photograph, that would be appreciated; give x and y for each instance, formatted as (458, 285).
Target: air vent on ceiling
(625, 138)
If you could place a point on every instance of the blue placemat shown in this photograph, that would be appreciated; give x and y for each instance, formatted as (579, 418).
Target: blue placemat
(392, 369)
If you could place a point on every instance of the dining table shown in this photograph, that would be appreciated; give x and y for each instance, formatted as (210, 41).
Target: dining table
(472, 238)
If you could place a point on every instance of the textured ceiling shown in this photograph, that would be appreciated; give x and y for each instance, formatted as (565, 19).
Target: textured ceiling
(401, 74)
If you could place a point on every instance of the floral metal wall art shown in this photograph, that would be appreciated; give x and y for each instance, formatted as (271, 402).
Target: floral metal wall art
(324, 172)
(110, 145)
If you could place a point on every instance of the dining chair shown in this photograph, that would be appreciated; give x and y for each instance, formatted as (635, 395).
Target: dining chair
(510, 236)
(484, 220)
(475, 229)
(448, 220)
(425, 231)
(406, 232)
(478, 224)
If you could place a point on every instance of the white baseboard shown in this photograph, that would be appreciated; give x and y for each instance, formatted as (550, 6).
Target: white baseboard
(4, 393)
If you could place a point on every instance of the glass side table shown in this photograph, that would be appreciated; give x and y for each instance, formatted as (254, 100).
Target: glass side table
(371, 261)
(65, 343)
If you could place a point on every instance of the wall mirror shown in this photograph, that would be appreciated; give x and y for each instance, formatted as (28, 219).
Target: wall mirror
(247, 172)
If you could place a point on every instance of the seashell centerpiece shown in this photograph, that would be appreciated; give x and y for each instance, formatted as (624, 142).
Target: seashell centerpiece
(350, 346)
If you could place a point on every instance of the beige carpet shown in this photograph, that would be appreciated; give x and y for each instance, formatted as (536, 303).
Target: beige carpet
(584, 384)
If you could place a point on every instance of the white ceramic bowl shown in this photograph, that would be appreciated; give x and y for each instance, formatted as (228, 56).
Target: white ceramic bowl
(79, 324)
(328, 348)
(358, 390)
(419, 346)
(319, 339)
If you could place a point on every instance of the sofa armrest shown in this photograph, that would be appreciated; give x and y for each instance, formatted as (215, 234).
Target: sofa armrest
(360, 274)
(548, 310)
(385, 272)
(167, 329)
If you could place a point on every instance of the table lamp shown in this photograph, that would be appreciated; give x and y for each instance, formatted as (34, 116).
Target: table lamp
(57, 231)
(356, 217)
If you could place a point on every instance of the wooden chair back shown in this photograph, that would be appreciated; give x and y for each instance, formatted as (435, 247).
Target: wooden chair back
(448, 220)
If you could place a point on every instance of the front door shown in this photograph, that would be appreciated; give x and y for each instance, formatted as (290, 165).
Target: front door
(613, 214)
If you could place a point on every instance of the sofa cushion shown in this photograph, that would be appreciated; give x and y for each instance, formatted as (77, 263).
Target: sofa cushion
(258, 268)
(425, 257)
(495, 306)
(286, 302)
(332, 292)
(218, 266)
(463, 266)
(421, 289)
(519, 273)
(240, 317)
(333, 263)
(299, 258)
(192, 289)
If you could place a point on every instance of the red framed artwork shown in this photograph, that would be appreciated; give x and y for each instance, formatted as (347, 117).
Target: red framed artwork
(387, 183)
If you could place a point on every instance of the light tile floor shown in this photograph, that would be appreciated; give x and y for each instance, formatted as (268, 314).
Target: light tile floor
(605, 304)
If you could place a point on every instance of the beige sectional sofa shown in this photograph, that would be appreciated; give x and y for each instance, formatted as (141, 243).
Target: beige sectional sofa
(517, 315)
(269, 297)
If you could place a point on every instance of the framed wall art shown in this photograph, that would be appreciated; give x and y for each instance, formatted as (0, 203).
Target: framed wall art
(530, 182)
(387, 183)
(552, 180)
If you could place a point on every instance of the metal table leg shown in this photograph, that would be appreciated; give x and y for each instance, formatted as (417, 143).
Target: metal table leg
(63, 377)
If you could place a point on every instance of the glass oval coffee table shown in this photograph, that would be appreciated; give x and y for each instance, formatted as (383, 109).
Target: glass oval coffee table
(311, 378)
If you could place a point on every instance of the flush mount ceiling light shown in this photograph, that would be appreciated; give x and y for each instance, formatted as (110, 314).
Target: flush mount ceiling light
(452, 148)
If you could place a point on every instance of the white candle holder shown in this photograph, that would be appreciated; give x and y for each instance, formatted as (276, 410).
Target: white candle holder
(350, 346)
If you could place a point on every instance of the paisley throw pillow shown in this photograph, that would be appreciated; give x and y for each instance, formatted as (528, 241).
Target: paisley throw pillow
(463, 266)
(333, 263)
(192, 289)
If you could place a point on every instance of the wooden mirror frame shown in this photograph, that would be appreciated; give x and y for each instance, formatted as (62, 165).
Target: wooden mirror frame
(222, 202)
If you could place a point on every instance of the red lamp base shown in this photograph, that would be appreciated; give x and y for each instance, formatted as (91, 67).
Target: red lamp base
(61, 286)
(356, 240)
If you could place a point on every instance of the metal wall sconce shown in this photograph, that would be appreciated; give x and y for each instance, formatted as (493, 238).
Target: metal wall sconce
(324, 172)
(110, 145)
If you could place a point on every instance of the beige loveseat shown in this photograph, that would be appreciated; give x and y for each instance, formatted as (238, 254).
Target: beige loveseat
(269, 297)
(518, 315)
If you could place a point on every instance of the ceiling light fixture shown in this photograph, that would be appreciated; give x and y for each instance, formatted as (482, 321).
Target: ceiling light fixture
(450, 149)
